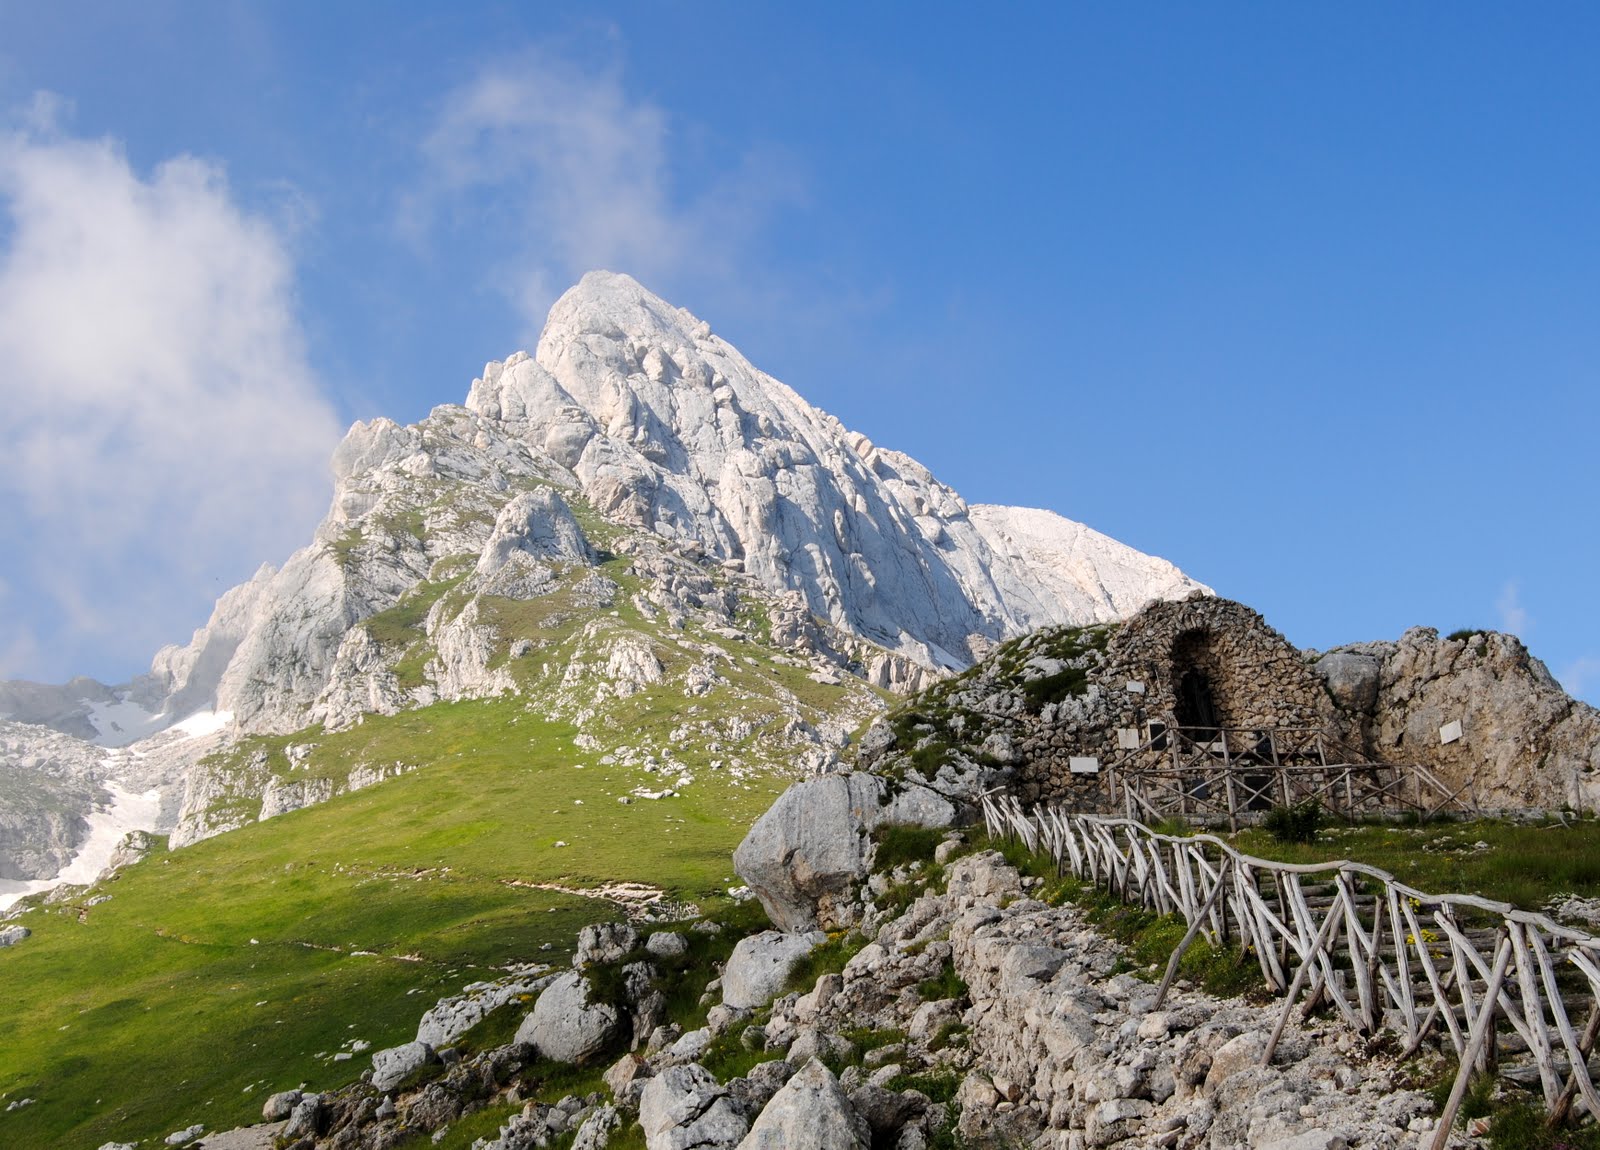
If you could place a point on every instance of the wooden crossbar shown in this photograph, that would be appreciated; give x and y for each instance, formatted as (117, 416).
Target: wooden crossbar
(1378, 952)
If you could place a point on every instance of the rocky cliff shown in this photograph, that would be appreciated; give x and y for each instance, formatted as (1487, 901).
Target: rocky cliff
(595, 523)
(633, 409)
(1522, 740)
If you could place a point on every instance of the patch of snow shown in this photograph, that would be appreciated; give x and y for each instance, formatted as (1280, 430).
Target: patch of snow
(122, 722)
(203, 723)
(108, 824)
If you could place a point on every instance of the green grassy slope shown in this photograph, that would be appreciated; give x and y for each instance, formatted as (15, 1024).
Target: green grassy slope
(217, 974)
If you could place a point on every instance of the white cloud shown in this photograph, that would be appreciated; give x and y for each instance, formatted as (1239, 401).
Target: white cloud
(1513, 615)
(164, 433)
(588, 178)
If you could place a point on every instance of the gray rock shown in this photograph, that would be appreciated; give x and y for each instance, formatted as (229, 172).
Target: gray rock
(667, 944)
(1307, 1140)
(810, 848)
(691, 1045)
(307, 1118)
(811, 1112)
(450, 1018)
(627, 1070)
(179, 1137)
(1239, 1053)
(684, 1108)
(1352, 680)
(279, 1106)
(604, 942)
(760, 966)
(11, 935)
(390, 1067)
(806, 853)
(1035, 962)
(756, 1088)
(884, 1110)
(564, 1025)
(1115, 1119)
(536, 523)
(597, 1129)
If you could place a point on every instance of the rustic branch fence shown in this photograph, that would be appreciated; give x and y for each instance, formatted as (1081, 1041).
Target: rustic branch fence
(1221, 773)
(1502, 985)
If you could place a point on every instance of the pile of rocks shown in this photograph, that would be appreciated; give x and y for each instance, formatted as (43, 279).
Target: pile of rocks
(978, 1010)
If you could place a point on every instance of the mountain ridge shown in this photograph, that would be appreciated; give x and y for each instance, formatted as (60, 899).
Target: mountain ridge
(733, 461)
(457, 548)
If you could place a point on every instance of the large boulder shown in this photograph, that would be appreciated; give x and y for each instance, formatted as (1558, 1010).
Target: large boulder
(804, 857)
(1352, 680)
(760, 966)
(684, 1108)
(390, 1067)
(564, 1025)
(811, 1112)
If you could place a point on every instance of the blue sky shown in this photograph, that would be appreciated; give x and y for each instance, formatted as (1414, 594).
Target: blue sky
(1303, 298)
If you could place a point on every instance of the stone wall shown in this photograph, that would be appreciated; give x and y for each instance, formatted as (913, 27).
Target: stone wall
(1255, 678)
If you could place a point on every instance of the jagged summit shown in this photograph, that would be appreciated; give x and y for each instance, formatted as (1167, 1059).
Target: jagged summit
(667, 427)
(637, 408)
(632, 488)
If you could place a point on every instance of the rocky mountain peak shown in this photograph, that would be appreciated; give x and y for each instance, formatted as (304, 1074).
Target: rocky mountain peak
(666, 427)
(633, 490)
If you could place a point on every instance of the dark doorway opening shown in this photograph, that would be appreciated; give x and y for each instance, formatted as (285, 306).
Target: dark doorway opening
(1196, 706)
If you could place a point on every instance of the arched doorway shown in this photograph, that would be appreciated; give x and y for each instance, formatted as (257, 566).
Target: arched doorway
(1196, 701)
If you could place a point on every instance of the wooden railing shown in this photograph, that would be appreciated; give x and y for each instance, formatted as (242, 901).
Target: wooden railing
(1493, 980)
(1225, 773)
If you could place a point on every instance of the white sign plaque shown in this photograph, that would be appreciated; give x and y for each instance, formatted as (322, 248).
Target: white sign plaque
(1450, 732)
(1084, 765)
(1135, 687)
(1127, 738)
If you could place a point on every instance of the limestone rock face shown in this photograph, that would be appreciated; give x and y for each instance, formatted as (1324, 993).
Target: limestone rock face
(48, 784)
(662, 427)
(564, 1025)
(809, 1113)
(1524, 741)
(812, 846)
(668, 427)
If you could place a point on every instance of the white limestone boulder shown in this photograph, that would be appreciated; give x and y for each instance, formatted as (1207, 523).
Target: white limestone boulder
(760, 966)
(811, 1112)
(806, 854)
(685, 1108)
(564, 1025)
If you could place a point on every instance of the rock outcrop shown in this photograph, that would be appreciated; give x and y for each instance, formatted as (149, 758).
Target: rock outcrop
(663, 428)
(1522, 741)
(975, 1012)
(804, 856)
